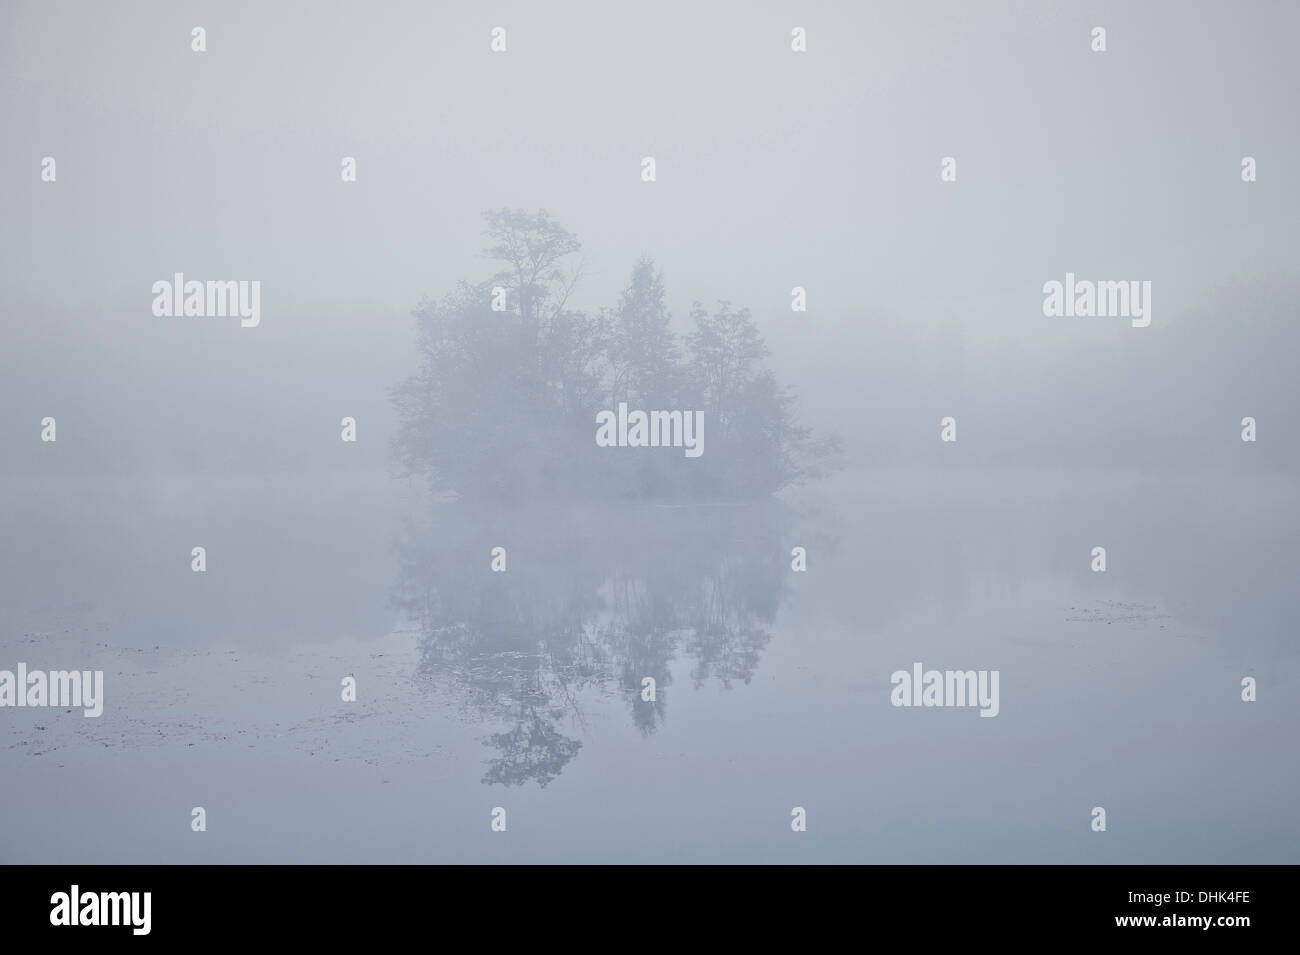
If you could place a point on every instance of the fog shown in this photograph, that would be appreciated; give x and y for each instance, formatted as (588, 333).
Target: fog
(774, 170)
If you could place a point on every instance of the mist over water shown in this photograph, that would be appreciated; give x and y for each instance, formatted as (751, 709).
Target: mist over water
(524, 688)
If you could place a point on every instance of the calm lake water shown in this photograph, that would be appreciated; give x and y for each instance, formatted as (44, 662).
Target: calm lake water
(523, 689)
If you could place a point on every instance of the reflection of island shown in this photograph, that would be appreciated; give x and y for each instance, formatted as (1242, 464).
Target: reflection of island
(590, 599)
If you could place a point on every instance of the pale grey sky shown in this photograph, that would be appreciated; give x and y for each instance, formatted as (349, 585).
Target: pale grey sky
(775, 169)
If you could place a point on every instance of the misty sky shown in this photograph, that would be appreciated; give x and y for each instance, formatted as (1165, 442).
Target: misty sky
(775, 169)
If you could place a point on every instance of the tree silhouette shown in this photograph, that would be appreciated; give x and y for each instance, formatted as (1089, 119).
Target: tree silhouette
(503, 404)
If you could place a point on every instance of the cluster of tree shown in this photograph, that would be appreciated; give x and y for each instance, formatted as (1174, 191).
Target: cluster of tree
(503, 406)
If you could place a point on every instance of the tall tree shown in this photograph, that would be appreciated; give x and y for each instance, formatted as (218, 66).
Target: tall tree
(643, 350)
(725, 349)
(533, 245)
